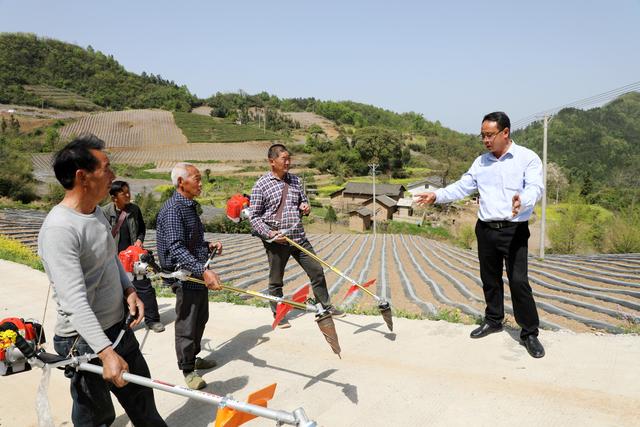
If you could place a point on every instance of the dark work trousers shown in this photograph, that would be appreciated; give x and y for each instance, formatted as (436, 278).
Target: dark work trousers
(148, 296)
(508, 244)
(92, 404)
(278, 255)
(192, 313)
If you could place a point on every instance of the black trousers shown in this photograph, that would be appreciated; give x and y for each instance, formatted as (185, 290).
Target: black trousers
(278, 256)
(508, 246)
(192, 313)
(92, 404)
(148, 296)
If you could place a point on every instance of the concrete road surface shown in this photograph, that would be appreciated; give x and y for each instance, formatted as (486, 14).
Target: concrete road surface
(424, 374)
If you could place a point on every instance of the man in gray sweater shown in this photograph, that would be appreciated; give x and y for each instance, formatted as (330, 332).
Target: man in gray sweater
(91, 290)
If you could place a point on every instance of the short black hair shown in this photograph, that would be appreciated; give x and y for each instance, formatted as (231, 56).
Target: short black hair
(117, 186)
(500, 118)
(275, 150)
(74, 156)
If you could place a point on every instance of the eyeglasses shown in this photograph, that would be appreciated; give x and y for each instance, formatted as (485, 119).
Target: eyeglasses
(489, 136)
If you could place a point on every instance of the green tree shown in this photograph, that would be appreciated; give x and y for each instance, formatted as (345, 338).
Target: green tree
(52, 136)
(382, 146)
(330, 217)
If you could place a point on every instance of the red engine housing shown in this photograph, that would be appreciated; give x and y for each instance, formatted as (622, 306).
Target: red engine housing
(235, 205)
(129, 256)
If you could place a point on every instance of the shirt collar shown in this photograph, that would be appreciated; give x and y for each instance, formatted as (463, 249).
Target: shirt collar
(183, 200)
(286, 178)
(510, 153)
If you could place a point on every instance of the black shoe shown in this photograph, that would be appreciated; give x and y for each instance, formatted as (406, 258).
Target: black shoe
(533, 345)
(484, 330)
(155, 326)
(336, 313)
(284, 324)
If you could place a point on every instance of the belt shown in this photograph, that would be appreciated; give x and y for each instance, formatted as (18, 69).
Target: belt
(497, 225)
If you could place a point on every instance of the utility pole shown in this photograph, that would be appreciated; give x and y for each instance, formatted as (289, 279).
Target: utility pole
(543, 216)
(373, 167)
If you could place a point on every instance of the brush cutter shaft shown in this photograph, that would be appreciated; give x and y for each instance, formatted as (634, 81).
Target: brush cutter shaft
(297, 418)
(299, 305)
(326, 264)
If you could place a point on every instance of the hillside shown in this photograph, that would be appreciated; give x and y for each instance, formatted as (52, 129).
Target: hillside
(597, 148)
(29, 63)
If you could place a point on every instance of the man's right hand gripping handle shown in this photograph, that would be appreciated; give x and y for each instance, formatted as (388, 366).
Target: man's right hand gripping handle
(113, 366)
(212, 280)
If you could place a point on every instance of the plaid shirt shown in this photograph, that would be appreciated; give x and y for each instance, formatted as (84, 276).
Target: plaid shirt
(180, 237)
(265, 199)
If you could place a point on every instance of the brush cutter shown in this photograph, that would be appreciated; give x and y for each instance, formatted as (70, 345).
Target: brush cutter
(383, 305)
(323, 317)
(238, 209)
(231, 413)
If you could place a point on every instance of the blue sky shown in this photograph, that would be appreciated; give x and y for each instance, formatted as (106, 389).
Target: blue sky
(451, 61)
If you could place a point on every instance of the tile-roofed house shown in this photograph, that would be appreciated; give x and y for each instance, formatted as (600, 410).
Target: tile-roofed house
(431, 183)
(404, 212)
(360, 219)
(385, 207)
(355, 194)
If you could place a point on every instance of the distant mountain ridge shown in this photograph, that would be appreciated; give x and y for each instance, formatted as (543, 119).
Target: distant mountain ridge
(28, 61)
(597, 146)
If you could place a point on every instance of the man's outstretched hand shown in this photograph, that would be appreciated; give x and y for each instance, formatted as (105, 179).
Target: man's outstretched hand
(426, 198)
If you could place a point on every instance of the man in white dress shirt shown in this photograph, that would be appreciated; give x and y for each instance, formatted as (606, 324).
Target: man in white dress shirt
(509, 180)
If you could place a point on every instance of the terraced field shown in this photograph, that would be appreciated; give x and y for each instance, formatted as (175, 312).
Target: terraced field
(579, 293)
(138, 137)
(60, 98)
(131, 128)
(307, 119)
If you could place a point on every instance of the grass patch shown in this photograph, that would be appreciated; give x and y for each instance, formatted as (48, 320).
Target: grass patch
(426, 230)
(448, 314)
(555, 212)
(630, 327)
(418, 172)
(203, 161)
(198, 128)
(13, 250)
(319, 212)
(401, 181)
(326, 190)
(139, 172)
(454, 315)
(7, 203)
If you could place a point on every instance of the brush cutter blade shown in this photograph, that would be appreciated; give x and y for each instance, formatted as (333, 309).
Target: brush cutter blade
(385, 310)
(301, 294)
(227, 417)
(282, 309)
(354, 288)
(328, 329)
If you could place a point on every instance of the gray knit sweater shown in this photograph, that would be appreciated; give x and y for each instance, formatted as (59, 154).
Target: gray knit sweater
(79, 257)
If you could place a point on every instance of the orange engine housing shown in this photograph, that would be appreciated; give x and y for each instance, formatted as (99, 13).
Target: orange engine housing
(129, 256)
(235, 205)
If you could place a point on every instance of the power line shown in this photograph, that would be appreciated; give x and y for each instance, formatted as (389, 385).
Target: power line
(591, 101)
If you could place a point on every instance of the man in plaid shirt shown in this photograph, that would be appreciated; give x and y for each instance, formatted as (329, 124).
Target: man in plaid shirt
(277, 205)
(180, 240)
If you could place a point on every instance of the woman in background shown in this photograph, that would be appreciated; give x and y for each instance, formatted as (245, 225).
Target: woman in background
(128, 229)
